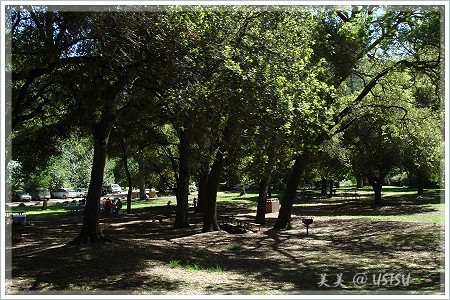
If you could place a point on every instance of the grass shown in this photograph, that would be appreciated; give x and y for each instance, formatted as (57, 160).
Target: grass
(193, 267)
(219, 269)
(438, 219)
(174, 263)
(196, 267)
(430, 201)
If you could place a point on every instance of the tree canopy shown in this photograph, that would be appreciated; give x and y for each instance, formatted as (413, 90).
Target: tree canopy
(193, 93)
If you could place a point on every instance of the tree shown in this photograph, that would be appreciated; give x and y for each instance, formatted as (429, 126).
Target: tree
(95, 70)
(375, 148)
(383, 34)
(423, 156)
(40, 43)
(70, 167)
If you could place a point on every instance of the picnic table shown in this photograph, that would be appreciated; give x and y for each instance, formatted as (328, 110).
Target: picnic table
(74, 208)
(15, 221)
(237, 225)
(10, 213)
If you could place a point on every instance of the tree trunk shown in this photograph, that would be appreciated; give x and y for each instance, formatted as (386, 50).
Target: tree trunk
(359, 181)
(323, 189)
(90, 231)
(377, 185)
(420, 179)
(142, 194)
(284, 216)
(261, 210)
(377, 190)
(127, 173)
(181, 219)
(264, 186)
(331, 189)
(210, 212)
(202, 186)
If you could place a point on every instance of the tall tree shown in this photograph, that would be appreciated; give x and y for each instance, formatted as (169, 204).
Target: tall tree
(360, 33)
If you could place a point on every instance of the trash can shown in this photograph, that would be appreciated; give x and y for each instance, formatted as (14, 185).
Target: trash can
(272, 205)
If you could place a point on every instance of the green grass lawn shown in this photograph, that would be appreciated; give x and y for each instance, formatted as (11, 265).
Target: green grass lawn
(430, 201)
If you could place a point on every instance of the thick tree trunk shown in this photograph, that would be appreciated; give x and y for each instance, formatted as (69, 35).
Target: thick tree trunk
(284, 216)
(210, 212)
(377, 185)
(90, 231)
(377, 190)
(181, 219)
(261, 210)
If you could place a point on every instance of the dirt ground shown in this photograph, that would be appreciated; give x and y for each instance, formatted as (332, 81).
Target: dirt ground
(343, 254)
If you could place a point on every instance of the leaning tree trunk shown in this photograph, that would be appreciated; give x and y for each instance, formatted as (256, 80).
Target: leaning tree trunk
(90, 231)
(284, 215)
(210, 212)
(181, 218)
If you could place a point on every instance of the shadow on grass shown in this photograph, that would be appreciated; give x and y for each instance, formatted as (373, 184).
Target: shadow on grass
(283, 261)
(268, 261)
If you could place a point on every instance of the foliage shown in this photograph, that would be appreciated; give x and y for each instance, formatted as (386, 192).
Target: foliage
(14, 175)
(70, 167)
(356, 87)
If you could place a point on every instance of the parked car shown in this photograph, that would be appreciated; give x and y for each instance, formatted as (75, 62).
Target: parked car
(114, 188)
(240, 186)
(40, 194)
(64, 193)
(81, 192)
(20, 196)
(226, 186)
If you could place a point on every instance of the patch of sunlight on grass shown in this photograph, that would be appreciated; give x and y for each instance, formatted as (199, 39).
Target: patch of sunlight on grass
(438, 206)
(438, 219)
(249, 198)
